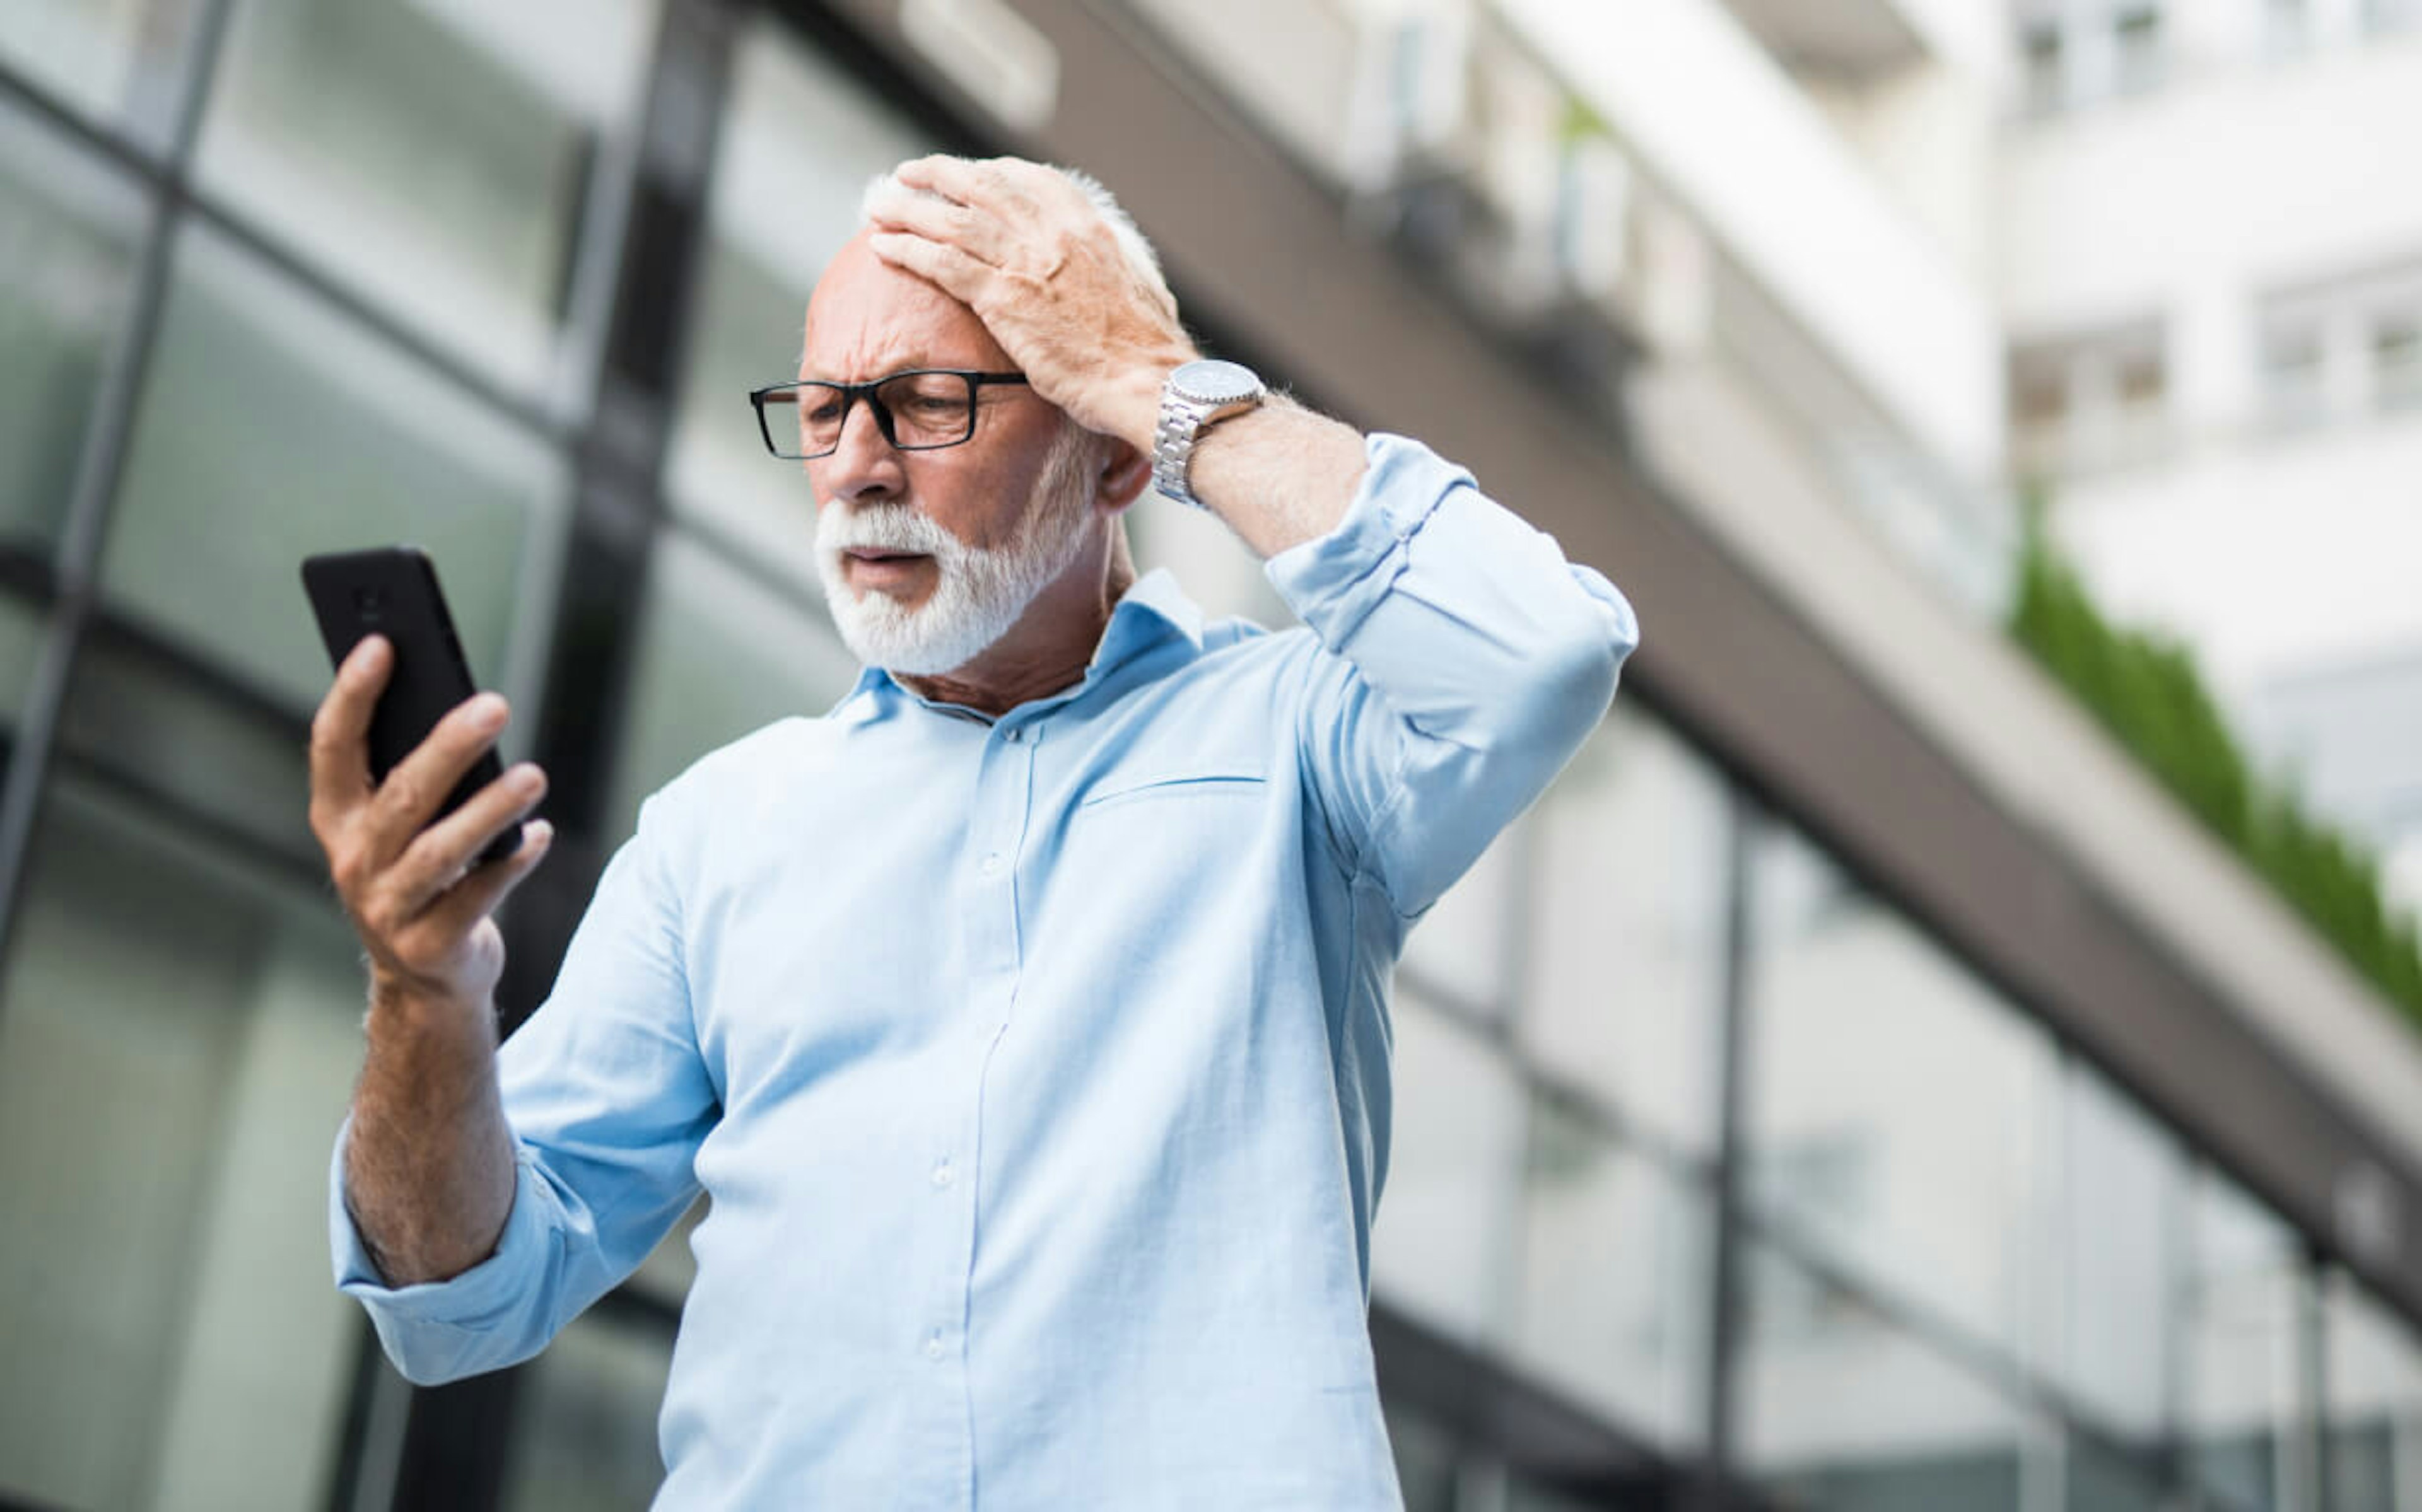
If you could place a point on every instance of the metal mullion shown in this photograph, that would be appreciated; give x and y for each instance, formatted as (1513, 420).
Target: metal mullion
(100, 466)
(1725, 1293)
(649, 204)
(2315, 1488)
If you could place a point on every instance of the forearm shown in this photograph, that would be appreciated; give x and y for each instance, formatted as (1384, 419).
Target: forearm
(1280, 474)
(429, 1161)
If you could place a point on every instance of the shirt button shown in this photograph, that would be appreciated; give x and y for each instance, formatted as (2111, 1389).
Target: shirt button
(934, 1347)
(943, 1174)
(1013, 734)
(993, 865)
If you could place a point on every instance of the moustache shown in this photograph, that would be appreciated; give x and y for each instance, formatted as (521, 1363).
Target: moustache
(885, 528)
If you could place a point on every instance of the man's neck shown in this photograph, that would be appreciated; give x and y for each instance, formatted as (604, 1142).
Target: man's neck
(1049, 650)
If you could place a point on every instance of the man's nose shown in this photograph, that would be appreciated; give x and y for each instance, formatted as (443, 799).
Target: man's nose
(865, 465)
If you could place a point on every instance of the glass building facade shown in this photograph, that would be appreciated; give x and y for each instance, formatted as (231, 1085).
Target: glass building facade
(1720, 1179)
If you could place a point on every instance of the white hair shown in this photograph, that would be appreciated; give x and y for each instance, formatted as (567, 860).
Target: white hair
(1137, 250)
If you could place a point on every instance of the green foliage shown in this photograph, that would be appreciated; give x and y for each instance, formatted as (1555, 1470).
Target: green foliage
(2146, 691)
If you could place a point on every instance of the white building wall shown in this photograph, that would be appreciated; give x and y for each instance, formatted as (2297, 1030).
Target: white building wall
(1718, 120)
(2189, 202)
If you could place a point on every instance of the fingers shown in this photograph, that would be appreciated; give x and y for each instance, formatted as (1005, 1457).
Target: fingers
(340, 763)
(435, 859)
(954, 272)
(980, 236)
(960, 181)
(412, 792)
(478, 895)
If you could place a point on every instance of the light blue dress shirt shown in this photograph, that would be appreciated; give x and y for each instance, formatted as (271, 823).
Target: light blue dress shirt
(1036, 1069)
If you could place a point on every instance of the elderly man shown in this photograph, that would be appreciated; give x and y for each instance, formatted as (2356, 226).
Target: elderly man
(1024, 1018)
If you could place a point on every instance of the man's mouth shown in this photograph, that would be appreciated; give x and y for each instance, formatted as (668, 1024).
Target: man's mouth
(878, 567)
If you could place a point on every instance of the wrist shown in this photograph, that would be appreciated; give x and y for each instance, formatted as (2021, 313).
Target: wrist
(421, 1004)
(1139, 397)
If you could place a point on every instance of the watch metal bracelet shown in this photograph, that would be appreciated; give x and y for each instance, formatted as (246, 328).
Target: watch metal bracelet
(1181, 425)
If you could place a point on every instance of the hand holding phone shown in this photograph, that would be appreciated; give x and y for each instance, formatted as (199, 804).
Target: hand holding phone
(419, 820)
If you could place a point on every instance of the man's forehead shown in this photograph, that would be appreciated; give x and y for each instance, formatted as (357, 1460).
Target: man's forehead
(867, 315)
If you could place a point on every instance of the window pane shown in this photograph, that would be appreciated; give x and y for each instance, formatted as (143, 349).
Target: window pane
(68, 230)
(1457, 950)
(435, 154)
(799, 142)
(271, 427)
(585, 1417)
(2374, 1403)
(1623, 992)
(2245, 1294)
(1617, 1255)
(1844, 1409)
(235, 765)
(2100, 1481)
(718, 654)
(178, 1041)
(1438, 1247)
(2123, 1185)
(1426, 1459)
(1895, 1101)
(20, 646)
(114, 60)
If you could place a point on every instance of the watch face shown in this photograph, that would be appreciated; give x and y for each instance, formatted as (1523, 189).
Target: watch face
(1216, 382)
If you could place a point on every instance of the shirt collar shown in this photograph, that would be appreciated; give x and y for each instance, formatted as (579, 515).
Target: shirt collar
(1152, 611)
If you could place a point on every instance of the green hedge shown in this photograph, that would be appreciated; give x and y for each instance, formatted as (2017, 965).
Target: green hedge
(2146, 692)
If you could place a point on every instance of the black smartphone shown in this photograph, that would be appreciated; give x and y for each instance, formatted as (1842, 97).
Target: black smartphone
(393, 591)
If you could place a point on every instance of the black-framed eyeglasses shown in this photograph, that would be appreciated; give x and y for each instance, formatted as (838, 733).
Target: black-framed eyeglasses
(916, 411)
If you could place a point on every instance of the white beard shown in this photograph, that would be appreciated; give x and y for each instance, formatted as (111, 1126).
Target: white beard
(978, 591)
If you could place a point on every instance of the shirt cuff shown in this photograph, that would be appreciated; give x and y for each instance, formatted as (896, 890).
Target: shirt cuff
(1333, 582)
(466, 1300)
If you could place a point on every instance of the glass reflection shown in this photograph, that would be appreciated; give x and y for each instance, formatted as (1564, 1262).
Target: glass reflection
(1623, 978)
(1844, 1409)
(177, 1040)
(437, 155)
(117, 61)
(68, 229)
(1438, 1248)
(1617, 1253)
(801, 140)
(270, 427)
(1895, 1105)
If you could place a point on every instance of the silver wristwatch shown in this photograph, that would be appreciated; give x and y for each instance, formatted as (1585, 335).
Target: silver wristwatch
(1197, 396)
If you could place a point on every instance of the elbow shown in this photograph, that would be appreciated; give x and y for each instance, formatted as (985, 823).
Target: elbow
(1576, 673)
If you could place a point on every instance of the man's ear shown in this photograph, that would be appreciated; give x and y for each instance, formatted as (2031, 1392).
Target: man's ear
(1125, 471)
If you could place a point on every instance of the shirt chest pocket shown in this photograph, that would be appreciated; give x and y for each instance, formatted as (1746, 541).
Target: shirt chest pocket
(1206, 782)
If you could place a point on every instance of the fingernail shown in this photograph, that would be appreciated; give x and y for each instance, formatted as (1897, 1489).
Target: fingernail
(488, 711)
(537, 832)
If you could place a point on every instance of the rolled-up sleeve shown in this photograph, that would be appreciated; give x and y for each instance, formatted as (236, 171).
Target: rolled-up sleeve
(1467, 660)
(608, 1099)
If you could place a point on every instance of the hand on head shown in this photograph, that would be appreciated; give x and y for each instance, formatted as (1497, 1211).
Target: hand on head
(1026, 249)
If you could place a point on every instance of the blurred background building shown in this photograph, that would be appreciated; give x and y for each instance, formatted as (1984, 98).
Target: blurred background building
(1856, 1085)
